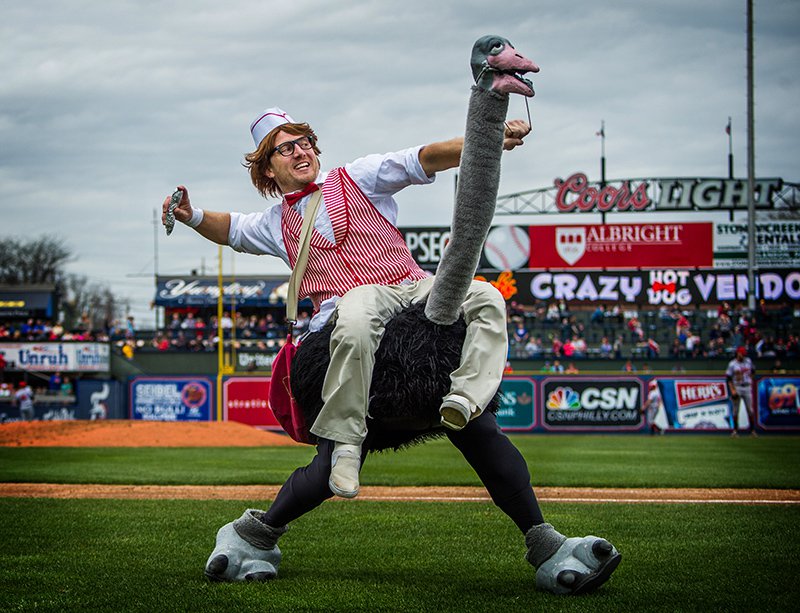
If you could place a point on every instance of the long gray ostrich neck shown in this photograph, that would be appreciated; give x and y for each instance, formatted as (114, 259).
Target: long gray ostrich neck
(476, 195)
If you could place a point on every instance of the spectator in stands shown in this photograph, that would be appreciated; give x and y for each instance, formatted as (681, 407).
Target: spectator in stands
(520, 336)
(765, 347)
(725, 325)
(571, 369)
(130, 327)
(606, 348)
(598, 316)
(568, 348)
(580, 346)
(778, 369)
(175, 324)
(546, 367)
(653, 348)
(54, 383)
(678, 349)
(792, 349)
(628, 367)
(618, 343)
(636, 330)
(66, 387)
(533, 348)
(557, 367)
(556, 346)
(553, 314)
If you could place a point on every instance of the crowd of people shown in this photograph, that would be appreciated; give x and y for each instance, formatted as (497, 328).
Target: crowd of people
(554, 331)
(551, 332)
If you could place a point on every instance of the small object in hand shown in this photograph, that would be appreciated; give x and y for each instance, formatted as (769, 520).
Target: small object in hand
(169, 220)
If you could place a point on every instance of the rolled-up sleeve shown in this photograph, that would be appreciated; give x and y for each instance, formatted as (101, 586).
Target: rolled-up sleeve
(383, 175)
(257, 233)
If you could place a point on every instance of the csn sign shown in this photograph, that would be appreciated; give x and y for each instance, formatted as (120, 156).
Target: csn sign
(570, 403)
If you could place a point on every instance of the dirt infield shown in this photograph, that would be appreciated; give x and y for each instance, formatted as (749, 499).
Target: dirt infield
(123, 433)
(133, 433)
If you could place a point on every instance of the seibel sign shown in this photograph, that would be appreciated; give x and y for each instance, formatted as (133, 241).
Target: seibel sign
(576, 193)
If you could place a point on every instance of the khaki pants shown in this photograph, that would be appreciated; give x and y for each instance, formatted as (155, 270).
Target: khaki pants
(361, 315)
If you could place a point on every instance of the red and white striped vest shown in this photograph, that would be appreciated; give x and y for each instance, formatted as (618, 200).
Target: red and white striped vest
(368, 249)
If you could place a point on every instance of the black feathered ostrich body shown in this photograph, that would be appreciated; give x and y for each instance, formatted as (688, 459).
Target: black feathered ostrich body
(422, 345)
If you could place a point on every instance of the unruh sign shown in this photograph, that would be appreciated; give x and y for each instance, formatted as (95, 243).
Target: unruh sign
(653, 245)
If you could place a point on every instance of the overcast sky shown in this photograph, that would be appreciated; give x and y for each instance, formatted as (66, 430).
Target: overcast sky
(106, 106)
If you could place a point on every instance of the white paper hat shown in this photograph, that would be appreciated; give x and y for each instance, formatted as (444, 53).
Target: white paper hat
(267, 122)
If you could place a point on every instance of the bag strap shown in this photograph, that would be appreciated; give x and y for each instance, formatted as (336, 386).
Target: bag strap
(302, 259)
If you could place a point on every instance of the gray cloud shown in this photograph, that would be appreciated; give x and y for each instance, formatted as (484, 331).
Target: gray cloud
(104, 108)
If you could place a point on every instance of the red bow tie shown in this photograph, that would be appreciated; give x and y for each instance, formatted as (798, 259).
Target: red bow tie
(292, 198)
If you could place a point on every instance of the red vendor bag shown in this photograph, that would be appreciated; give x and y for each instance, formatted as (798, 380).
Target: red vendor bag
(283, 405)
(281, 401)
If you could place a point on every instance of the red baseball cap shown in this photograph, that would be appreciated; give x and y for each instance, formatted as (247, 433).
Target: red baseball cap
(22, 384)
(741, 351)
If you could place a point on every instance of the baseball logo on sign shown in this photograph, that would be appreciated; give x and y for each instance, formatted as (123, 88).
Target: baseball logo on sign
(571, 243)
(507, 248)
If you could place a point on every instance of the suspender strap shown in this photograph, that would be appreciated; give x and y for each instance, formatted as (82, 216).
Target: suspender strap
(302, 258)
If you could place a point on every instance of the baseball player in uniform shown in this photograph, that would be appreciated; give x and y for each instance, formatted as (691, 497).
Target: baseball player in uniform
(740, 375)
(23, 398)
(652, 406)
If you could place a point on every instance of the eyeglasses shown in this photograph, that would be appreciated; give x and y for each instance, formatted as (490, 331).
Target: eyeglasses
(286, 149)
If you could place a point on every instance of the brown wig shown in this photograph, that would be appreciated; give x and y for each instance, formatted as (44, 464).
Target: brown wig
(257, 162)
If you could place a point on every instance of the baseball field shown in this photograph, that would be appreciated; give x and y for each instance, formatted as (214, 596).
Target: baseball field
(121, 516)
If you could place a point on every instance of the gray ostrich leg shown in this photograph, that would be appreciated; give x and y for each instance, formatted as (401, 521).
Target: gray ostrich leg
(478, 182)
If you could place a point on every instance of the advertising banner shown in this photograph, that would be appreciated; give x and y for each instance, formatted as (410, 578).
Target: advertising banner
(245, 291)
(650, 245)
(171, 398)
(426, 244)
(516, 410)
(57, 357)
(244, 399)
(697, 404)
(100, 399)
(597, 403)
(655, 287)
(777, 244)
(779, 403)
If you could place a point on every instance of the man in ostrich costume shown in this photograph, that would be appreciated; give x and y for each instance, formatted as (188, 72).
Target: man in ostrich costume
(394, 356)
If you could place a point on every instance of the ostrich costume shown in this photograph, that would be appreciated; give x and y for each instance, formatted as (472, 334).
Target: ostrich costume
(421, 346)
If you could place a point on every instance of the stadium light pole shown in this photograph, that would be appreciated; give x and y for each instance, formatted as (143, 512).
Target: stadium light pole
(220, 343)
(751, 166)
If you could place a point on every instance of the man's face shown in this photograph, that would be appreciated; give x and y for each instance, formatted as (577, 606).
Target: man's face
(295, 171)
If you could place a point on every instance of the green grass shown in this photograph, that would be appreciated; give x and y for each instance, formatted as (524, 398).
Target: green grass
(131, 555)
(570, 460)
(84, 555)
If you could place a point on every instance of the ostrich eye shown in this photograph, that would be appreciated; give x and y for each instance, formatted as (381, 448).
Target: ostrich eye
(497, 48)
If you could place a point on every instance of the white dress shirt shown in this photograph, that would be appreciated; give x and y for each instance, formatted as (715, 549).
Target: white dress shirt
(378, 176)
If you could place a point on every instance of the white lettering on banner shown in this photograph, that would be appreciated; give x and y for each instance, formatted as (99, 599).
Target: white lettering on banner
(577, 194)
(664, 287)
(175, 288)
(564, 285)
(609, 398)
(52, 356)
(427, 247)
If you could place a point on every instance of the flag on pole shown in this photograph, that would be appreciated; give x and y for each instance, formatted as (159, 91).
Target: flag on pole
(601, 133)
(728, 127)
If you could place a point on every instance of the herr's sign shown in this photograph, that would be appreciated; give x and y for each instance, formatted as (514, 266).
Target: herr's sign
(576, 193)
